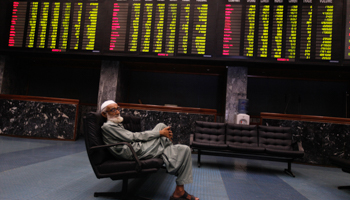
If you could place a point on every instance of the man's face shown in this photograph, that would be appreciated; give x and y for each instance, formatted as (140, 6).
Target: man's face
(112, 113)
(113, 109)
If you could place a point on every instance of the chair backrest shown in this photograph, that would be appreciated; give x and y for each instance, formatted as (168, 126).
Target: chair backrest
(212, 132)
(243, 135)
(275, 137)
(93, 135)
(132, 123)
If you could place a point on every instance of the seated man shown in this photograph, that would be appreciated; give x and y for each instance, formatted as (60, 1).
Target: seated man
(149, 144)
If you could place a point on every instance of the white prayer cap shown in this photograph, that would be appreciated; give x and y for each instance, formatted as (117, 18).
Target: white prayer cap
(106, 103)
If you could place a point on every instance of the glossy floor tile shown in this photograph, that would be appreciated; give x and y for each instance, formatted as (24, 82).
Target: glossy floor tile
(46, 169)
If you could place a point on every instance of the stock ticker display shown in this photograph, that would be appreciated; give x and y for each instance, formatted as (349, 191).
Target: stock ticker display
(299, 31)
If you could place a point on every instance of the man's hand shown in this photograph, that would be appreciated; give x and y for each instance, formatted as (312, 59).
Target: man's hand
(166, 132)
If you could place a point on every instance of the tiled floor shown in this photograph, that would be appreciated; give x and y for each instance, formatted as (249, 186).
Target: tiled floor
(44, 169)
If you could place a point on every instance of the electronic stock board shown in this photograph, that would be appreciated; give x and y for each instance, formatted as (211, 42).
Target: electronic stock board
(295, 31)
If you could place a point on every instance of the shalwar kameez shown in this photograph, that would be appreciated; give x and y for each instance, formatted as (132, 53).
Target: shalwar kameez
(149, 144)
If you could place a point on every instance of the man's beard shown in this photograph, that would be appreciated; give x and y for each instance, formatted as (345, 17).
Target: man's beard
(116, 119)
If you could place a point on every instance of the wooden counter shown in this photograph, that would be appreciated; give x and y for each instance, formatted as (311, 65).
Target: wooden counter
(180, 119)
(306, 118)
(202, 111)
(319, 136)
(39, 99)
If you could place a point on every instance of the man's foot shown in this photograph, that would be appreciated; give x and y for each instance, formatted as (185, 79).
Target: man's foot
(184, 196)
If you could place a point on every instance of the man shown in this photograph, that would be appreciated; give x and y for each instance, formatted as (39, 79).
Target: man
(149, 144)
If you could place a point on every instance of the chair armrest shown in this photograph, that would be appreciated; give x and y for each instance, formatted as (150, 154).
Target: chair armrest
(191, 138)
(300, 146)
(138, 166)
(297, 146)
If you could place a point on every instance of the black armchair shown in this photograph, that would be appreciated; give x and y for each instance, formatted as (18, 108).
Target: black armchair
(105, 165)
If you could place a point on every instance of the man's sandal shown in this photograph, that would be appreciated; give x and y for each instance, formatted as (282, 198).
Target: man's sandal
(183, 197)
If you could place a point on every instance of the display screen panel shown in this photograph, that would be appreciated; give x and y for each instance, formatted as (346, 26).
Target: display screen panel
(347, 31)
(295, 31)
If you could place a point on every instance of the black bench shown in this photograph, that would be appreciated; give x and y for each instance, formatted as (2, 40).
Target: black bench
(246, 141)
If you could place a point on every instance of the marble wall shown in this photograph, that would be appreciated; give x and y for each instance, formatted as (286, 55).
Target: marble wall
(183, 124)
(236, 89)
(37, 119)
(319, 140)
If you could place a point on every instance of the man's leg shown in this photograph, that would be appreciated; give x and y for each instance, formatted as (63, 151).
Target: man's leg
(159, 127)
(163, 140)
(178, 162)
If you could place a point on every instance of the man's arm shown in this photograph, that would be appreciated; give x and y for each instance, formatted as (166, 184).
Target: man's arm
(114, 131)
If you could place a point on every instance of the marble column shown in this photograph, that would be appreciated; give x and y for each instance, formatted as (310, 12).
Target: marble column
(2, 68)
(236, 89)
(109, 88)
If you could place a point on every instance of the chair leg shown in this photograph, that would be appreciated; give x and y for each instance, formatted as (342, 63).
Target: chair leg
(289, 170)
(123, 194)
(119, 195)
(199, 158)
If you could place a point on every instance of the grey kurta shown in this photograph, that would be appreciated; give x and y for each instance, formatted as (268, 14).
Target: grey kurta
(149, 144)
